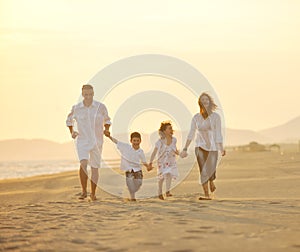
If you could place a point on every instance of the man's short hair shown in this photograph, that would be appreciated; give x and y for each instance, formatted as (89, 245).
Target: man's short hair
(135, 134)
(87, 86)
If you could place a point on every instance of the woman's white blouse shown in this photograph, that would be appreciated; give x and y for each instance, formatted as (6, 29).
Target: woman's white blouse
(209, 132)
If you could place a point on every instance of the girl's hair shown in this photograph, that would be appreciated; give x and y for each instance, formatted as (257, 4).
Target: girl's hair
(163, 127)
(212, 106)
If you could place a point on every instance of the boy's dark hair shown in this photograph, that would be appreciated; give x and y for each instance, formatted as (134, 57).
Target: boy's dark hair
(135, 134)
(87, 86)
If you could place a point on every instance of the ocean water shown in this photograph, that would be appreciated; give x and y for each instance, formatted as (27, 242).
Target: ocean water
(22, 169)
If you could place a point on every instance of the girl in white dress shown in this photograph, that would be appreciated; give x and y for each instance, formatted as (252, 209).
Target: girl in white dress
(166, 149)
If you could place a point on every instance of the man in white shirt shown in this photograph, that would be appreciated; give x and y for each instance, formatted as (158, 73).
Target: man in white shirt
(131, 162)
(90, 117)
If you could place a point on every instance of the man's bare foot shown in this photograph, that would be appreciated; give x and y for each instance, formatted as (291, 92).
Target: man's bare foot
(212, 186)
(168, 194)
(132, 199)
(161, 197)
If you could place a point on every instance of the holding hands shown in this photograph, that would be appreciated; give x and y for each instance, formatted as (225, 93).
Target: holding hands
(74, 134)
(150, 167)
(106, 133)
(184, 153)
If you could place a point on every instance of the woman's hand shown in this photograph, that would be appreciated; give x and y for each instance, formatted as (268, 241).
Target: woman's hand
(183, 154)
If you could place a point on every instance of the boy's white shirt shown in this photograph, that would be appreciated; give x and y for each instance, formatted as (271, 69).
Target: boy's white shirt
(131, 159)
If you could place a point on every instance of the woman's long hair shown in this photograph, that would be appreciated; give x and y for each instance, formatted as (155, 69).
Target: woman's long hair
(212, 106)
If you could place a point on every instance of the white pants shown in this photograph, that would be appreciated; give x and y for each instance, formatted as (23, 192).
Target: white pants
(134, 182)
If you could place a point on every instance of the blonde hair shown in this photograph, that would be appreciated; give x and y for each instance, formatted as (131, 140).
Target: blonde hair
(163, 127)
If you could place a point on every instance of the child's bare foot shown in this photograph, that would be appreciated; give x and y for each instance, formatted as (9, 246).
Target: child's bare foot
(83, 195)
(161, 197)
(93, 197)
(212, 186)
(168, 194)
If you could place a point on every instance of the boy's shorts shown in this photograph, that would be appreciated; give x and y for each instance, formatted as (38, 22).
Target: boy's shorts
(136, 175)
(92, 155)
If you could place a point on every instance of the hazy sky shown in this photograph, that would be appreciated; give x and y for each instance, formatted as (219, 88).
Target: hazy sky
(248, 50)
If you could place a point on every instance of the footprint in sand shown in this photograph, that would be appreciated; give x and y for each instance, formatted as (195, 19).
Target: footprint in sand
(192, 237)
(296, 246)
(205, 229)
(183, 250)
(150, 243)
(274, 203)
(195, 231)
(181, 222)
(78, 241)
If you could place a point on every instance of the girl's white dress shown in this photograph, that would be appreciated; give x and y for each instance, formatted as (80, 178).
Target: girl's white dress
(166, 158)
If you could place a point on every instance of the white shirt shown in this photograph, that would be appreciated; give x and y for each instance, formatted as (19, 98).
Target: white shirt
(131, 159)
(209, 132)
(90, 121)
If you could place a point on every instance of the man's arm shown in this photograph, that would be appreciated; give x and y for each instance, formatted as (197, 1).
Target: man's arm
(71, 129)
(107, 121)
(74, 134)
(106, 130)
(69, 123)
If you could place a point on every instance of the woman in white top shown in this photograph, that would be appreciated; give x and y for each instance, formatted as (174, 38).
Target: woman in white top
(209, 142)
(166, 161)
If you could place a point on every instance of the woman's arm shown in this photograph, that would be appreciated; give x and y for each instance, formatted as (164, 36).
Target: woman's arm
(191, 134)
(187, 144)
(218, 134)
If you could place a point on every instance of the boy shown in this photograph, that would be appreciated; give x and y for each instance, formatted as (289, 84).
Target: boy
(131, 162)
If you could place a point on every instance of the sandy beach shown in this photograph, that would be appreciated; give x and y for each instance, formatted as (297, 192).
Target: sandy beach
(256, 208)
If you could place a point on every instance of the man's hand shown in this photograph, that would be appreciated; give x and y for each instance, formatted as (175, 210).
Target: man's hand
(74, 134)
(106, 133)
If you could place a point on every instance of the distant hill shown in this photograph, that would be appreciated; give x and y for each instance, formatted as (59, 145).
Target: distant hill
(235, 137)
(35, 149)
(285, 133)
(41, 149)
(288, 132)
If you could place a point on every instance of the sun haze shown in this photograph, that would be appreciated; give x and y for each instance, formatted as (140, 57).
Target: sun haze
(248, 50)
